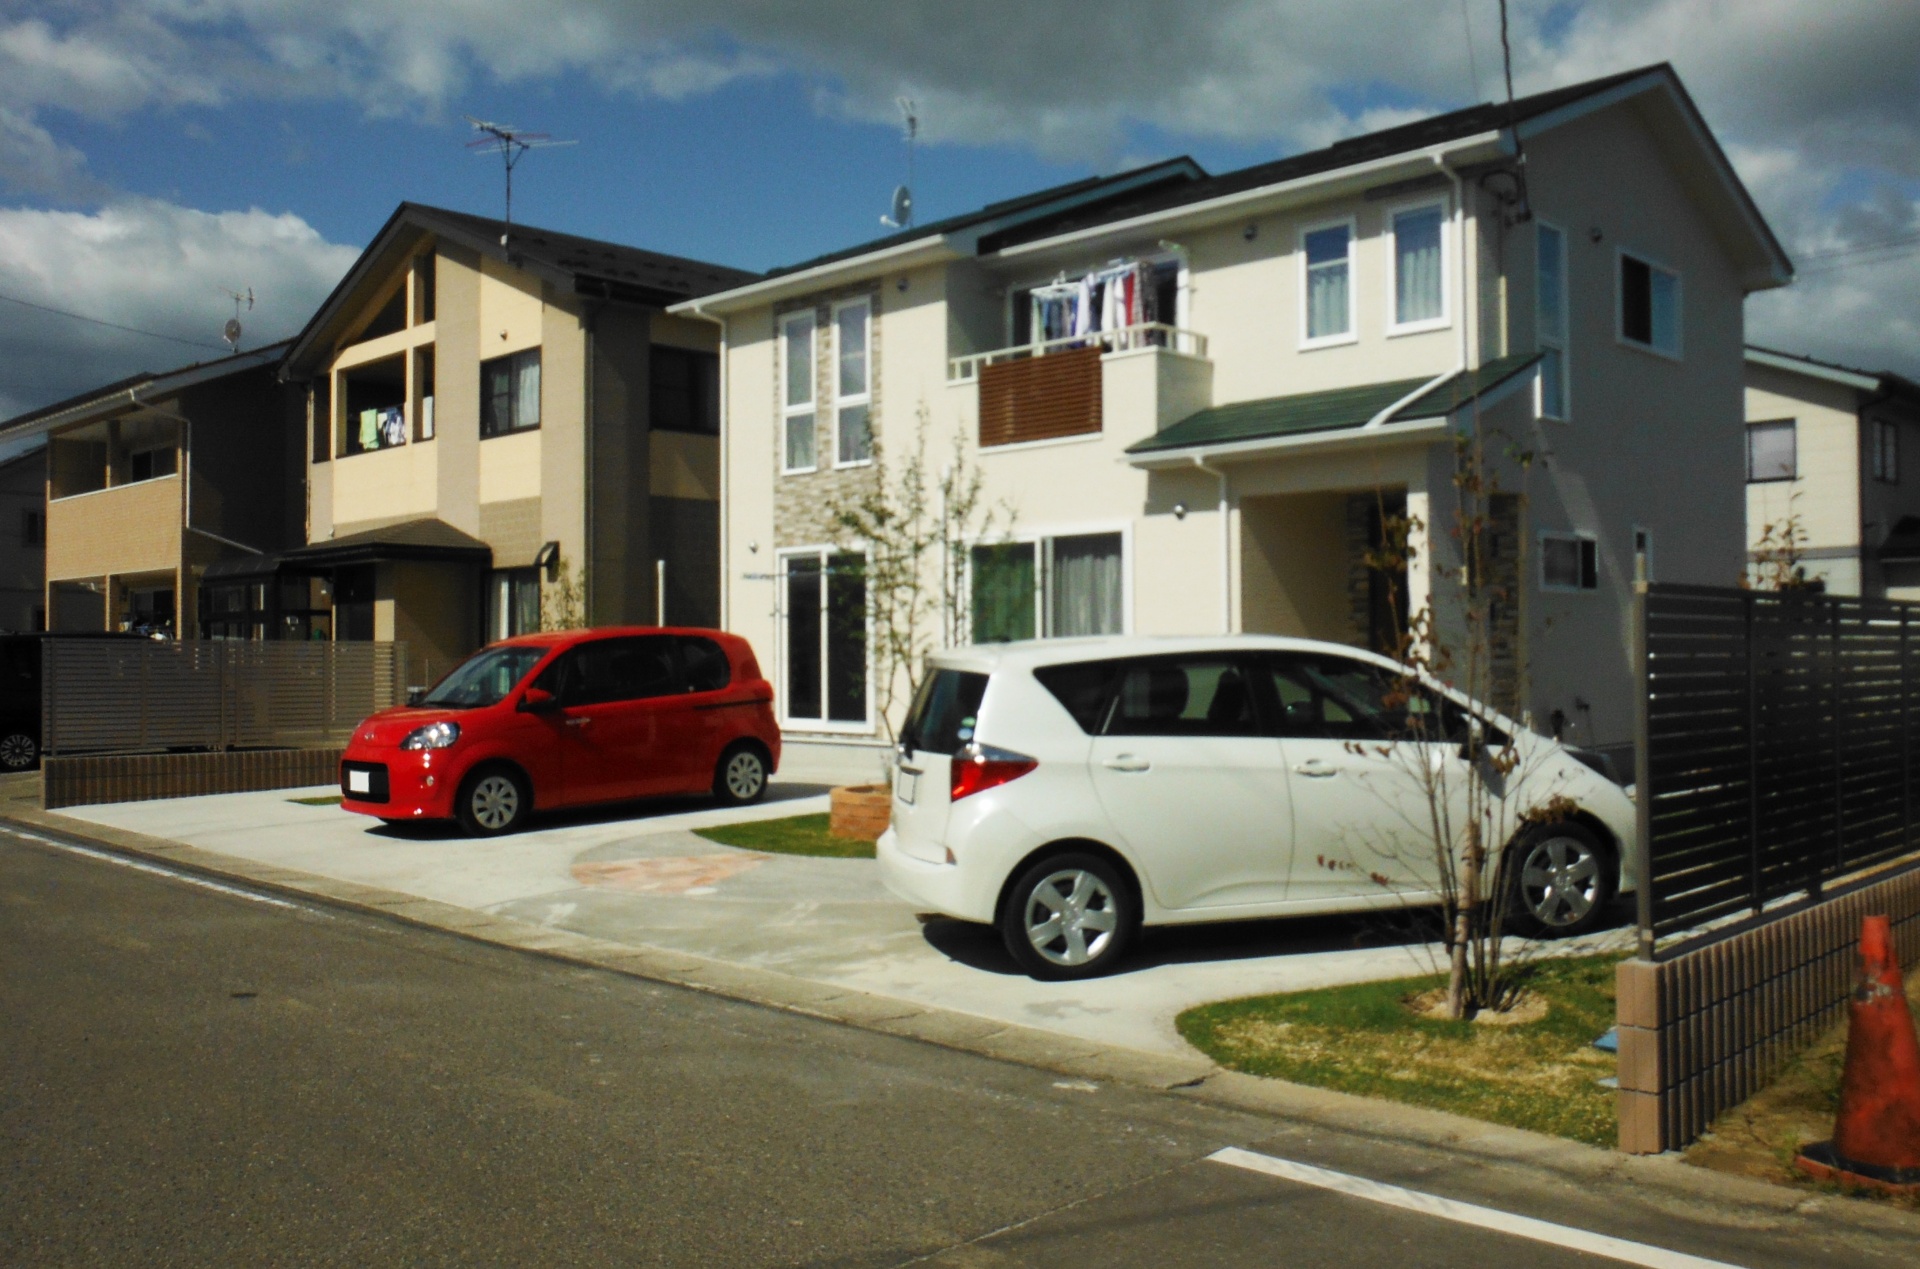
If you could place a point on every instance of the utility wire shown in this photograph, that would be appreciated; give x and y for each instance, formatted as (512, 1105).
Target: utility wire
(132, 330)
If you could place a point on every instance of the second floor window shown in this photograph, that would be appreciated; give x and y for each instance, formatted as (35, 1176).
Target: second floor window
(1771, 451)
(684, 391)
(1569, 561)
(1649, 305)
(510, 393)
(1886, 452)
(33, 528)
(1419, 270)
(1327, 268)
(796, 392)
(1550, 318)
(853, 383)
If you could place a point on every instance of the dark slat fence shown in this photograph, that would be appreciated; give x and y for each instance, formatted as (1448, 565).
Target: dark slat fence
(1779, 747)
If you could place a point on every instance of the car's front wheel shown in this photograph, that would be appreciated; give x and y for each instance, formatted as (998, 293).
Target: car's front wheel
(1069, 916)
(18, 751)
(1561, 881)
(740, 777)
(493, 800)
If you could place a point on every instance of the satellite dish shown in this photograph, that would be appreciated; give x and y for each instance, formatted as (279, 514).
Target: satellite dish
(231, 333)
(902, 208)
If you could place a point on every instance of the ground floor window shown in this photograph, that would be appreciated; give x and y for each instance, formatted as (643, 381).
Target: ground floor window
(513, 602)
(1569, 561)
(1053, 587)
(824, 652)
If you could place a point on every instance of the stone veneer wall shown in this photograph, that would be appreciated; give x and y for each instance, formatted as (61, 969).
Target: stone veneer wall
(802, 502)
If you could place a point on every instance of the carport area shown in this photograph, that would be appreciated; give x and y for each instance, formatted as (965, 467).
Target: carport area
(641, 877)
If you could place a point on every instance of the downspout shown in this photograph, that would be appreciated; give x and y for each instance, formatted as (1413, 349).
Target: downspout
(1226, 544)
(1460, 317)
(726, 592)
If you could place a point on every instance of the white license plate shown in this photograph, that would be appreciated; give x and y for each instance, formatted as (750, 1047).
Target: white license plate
(359, 781)
(904, 785)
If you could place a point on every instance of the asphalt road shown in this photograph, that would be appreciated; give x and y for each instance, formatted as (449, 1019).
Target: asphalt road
(196, 1077)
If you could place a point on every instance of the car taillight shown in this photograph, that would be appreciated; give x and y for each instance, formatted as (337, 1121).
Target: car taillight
(980, 767)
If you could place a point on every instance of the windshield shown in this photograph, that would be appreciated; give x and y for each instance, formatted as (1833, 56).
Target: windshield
(484, 678)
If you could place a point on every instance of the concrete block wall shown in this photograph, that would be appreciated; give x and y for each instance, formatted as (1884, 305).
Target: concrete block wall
(78, 781)
(1703, 1031)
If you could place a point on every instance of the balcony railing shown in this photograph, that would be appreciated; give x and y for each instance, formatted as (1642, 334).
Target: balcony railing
(1120, 339)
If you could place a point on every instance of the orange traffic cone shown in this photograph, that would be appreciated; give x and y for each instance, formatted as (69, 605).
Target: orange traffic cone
(1876, 1142)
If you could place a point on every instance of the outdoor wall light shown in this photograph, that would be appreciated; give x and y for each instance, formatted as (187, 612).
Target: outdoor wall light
(753, 548)
(901, 285)
(549, 559)
(1179, 510)
(1594, 234)
(1250, 232)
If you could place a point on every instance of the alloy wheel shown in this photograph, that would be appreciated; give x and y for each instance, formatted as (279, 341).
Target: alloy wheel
(745, 775)
(17, 751)
(1071, 917)
(495, 802)
(1561, 881)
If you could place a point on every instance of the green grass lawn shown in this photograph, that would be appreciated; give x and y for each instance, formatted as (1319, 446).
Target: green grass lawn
(333, 800)
(1365, 1039)
(798, 835)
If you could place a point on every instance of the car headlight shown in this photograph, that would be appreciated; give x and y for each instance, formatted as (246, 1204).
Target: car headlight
(432, 736)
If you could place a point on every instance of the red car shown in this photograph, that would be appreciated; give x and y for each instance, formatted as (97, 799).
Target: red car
(566, 719)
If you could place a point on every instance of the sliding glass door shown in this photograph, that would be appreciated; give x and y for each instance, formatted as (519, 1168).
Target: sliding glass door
(824, 649)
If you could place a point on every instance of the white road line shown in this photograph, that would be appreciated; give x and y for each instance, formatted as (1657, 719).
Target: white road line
(157, 870)
(1466, 1213)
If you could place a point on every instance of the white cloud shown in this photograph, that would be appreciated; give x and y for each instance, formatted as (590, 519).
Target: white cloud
(150, 265)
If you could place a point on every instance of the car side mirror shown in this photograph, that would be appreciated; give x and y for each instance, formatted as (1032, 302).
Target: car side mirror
(415, 695)
(536, 699)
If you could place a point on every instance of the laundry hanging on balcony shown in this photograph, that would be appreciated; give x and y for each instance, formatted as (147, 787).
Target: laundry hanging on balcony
(1105, 301)
(393, 426)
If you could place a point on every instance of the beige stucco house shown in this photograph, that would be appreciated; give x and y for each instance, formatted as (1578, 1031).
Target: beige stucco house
(151, 481)
(503, 427)
(1826, 495)
(1198, 394)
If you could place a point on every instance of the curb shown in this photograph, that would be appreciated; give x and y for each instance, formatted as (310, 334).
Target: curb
(1195, 1078)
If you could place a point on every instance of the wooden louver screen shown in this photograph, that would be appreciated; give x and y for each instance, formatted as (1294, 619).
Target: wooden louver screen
(1039, 398)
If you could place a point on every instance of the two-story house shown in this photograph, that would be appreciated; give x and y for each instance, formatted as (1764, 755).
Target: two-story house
(154, 480)
(501, 422)
(23, 541)
(1825, 493)
(1202, 396)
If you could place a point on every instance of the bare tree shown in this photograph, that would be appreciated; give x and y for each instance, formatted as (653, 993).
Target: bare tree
(914, 525)
(563, 601)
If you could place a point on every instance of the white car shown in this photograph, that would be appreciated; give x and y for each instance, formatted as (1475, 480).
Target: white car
(1070, 790)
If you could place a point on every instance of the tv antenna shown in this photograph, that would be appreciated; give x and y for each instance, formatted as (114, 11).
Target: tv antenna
(231, 331)
(902, 212)
(511, 144)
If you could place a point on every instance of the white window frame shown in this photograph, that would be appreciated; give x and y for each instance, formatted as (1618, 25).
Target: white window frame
(1679, 349)
(812, 404)
(1568, 535)
(1352, 334)
(1394, 325)
(1040, 540)
(822, 552)
(1546, 342)
(864, 302)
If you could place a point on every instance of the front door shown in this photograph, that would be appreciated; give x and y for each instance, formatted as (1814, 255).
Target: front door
(1378, 783)
(1192, 783)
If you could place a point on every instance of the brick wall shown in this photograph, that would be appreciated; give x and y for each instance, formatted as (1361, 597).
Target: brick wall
(144, 777)
(1703, 1031)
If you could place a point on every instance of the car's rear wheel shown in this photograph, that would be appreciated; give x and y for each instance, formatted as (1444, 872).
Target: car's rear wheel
(1069, 916)
(18, 751)
(492, 801)
(740, 777)
(1561, 881)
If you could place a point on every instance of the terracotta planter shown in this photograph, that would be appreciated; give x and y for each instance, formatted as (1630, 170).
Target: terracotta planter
(861, 811)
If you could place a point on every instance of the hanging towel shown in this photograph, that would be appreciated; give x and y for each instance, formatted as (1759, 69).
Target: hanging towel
(369, 429)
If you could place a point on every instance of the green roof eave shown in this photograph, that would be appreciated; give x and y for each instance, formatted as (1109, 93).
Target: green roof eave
(1345, 411)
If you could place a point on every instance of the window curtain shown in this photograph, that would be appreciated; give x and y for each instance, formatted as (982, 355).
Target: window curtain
(1416, 269)
(1084, 594)
(1002, 592)
(1327, 299)
(526, 391)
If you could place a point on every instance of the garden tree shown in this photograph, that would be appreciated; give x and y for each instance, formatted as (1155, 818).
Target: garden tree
(914, 526)
(1778, 555)
(563, 601)
(1467, 810)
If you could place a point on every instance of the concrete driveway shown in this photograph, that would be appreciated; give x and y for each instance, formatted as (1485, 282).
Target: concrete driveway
(639, 875)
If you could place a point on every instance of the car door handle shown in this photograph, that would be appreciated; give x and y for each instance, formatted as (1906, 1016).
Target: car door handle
(578, 722)
(1318, 768)
(1126, 762)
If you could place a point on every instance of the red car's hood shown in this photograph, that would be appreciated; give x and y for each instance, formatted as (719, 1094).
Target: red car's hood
(390, 726)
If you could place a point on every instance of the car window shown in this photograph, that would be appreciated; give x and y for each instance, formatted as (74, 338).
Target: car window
(705, 663)
(1183, 696)
(1085, 688)
(484, 678)
(614, 670)
(944, 713)
(1337, 699)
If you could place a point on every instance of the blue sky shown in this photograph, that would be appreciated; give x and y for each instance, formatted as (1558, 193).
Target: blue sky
(152, 153)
